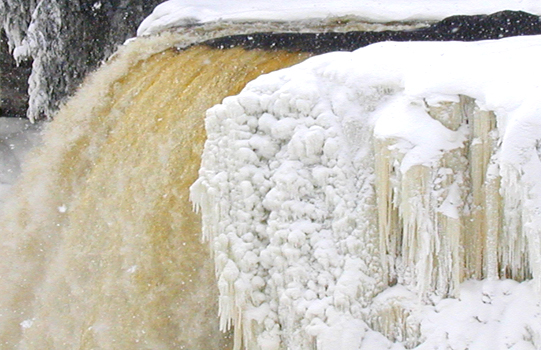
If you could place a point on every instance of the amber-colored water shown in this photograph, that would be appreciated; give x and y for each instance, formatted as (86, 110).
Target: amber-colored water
(100, 246)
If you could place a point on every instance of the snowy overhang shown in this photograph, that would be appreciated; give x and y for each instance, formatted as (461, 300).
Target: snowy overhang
(178, 13)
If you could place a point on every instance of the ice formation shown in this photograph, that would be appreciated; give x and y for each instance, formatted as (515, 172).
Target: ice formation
(413, 165)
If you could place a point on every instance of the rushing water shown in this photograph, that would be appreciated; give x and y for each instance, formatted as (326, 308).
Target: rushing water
(100, 246)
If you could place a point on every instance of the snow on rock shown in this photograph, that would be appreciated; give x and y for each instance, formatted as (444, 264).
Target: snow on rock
(488, 315)
(175, 13)
(323, 184)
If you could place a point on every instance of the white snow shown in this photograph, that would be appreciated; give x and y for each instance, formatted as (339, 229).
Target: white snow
(488, 315)
(422, 138)
(290, 194)
(174, 13)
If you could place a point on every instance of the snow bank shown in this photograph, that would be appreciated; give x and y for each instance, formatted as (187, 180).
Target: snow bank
(174, 13)
(309, 228)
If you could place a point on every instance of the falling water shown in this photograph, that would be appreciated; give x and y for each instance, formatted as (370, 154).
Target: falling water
(100, 246)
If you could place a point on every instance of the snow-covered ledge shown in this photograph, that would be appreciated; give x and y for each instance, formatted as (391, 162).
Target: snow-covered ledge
(175, 13)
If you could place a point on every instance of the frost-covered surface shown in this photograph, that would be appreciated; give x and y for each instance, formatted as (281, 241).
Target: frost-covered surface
(305, 242)
(174, 13)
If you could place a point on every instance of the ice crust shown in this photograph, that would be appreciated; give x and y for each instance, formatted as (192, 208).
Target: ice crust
(288, 191)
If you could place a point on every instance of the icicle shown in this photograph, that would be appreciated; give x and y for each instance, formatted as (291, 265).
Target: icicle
(392, 313)
(450, 188)
(485, 196)
(493, 222)
(389, 225)
(419, 235)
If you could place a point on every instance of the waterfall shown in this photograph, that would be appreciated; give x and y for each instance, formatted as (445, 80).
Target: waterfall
(185, 199)
(100, 247)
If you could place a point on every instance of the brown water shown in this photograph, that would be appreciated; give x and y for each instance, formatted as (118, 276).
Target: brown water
(100, 246)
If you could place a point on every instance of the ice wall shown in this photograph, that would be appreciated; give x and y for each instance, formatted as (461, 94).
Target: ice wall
(412, 165)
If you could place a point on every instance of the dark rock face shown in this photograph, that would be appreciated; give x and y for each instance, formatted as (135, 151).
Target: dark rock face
(15, 17)
(13, 83)
(456, 28)
(67, 39)
(78, 34)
